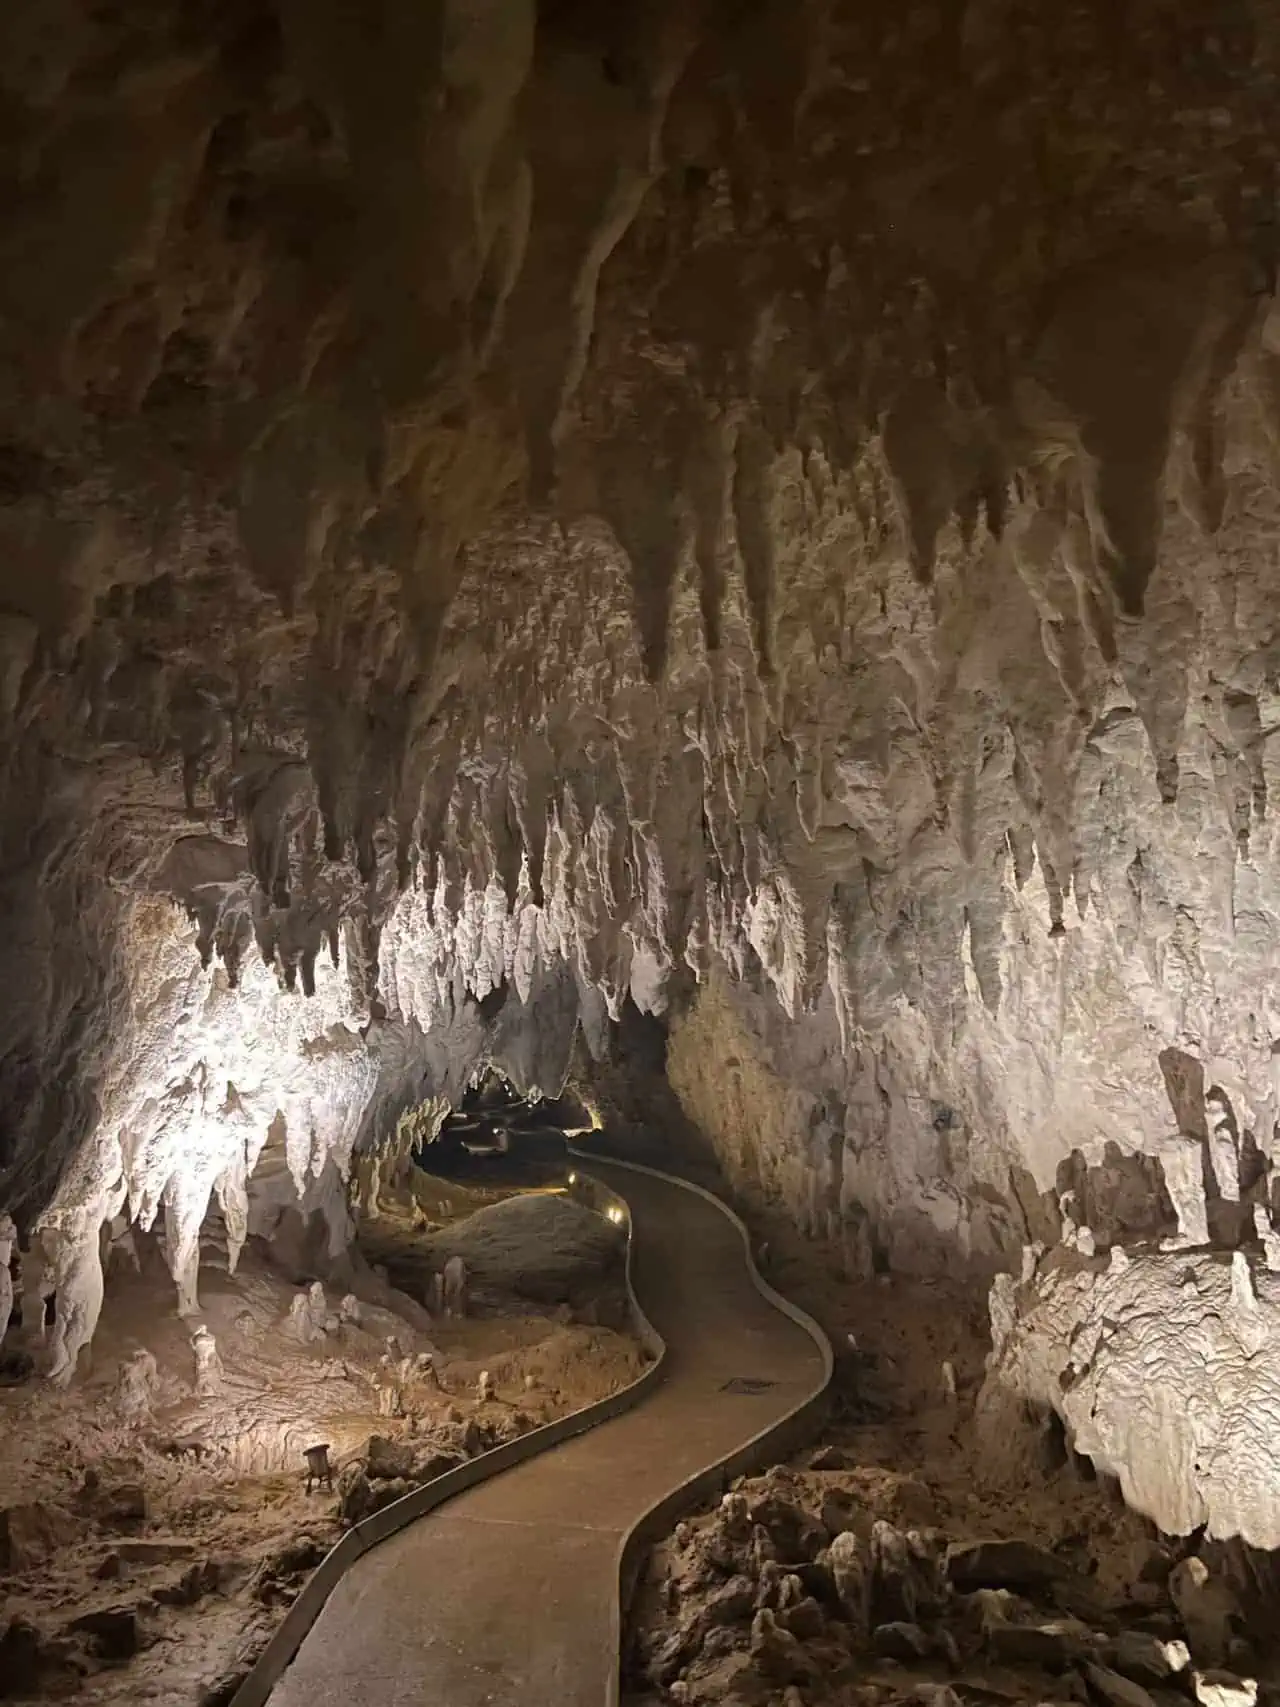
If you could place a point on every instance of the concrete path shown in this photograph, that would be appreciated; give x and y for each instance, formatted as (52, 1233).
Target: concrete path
(505, 1597)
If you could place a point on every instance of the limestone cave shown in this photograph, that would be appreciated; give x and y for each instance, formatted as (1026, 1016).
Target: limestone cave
(640, 971)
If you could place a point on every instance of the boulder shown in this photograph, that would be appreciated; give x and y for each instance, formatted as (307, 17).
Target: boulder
(356, 1497)
(1112, 1690)
(1145, 1658)
(112, 1631)
(901, 1641)
(1017, 1565)
(30, 1533)
(386, 1460)
(191, 1586)
(1207, 1609)
(804, 1618)
(1225, 1689)
(830, 1458)
(298, 1556)
(20, 1659)
(124, 1506)
(1051, 1647)
(388, 1492)
(732, 1603)
(546, 1248)
(428, 1465)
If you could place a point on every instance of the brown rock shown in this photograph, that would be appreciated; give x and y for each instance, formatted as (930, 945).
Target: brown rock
(1051, 1647)
(435, 1463)
(20, 1659)
(113, 1631)
(777, 1652)
(805, 1619)
(386, 1460)
(1017, 1565)
(124, 1506)
(901, 1641)
(155, 1550)
(1207, 1608)
(829, 1458)
(1113, 1690)
(730, 1604)
(194, 1583)
(30, 1533)
(1144, 1657)
(356, 1497)
(387, 1493)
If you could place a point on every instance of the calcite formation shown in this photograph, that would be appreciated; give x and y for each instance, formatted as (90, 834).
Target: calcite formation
(763, 511)
(1166, 1372)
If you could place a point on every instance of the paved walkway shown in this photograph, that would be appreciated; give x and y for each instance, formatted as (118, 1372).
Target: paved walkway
(505, 1596)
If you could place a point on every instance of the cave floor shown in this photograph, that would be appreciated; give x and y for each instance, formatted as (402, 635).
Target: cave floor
(188, 1513)
(508, 1596)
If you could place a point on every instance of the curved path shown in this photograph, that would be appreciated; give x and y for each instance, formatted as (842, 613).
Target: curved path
(507, 1596)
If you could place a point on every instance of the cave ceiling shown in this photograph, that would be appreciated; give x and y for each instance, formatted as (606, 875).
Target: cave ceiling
(562, 498)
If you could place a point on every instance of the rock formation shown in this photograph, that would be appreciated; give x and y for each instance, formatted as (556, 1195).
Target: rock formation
(762, 511)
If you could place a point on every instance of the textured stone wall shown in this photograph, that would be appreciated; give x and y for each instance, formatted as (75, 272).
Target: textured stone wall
(504, 509)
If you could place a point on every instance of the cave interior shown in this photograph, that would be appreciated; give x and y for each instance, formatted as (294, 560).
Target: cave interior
(699, 575)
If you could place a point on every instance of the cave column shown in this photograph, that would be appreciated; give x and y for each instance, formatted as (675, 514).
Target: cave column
(75, 1270)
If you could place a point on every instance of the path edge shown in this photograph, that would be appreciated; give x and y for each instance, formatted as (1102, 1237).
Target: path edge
(271, 1664)
(696, 1489)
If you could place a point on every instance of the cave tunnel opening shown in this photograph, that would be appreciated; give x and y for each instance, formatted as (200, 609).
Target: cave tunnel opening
(497, 1136)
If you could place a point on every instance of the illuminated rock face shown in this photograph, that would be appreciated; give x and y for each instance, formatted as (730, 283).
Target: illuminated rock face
(1166, 1370)
(770, 513)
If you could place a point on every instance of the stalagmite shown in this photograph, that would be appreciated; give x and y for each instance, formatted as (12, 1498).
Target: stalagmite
(1223, 1147)
(76, 1273)
(185, 1203)
(139, 1378)
(1265, 1229)
(782, 618)
(455, 1287)
(208, 1363)
(302, 1321)
(1183, 1163)
(8, 1238)
(317, 1307)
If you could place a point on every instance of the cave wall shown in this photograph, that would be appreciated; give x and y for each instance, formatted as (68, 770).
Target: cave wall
(505, 510)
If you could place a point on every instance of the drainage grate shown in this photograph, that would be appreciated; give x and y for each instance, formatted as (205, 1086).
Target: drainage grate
(747, 1384)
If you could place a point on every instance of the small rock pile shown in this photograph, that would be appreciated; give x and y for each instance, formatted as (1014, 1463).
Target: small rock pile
(790, 1595)
(390, 1468)
(134, 1578)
